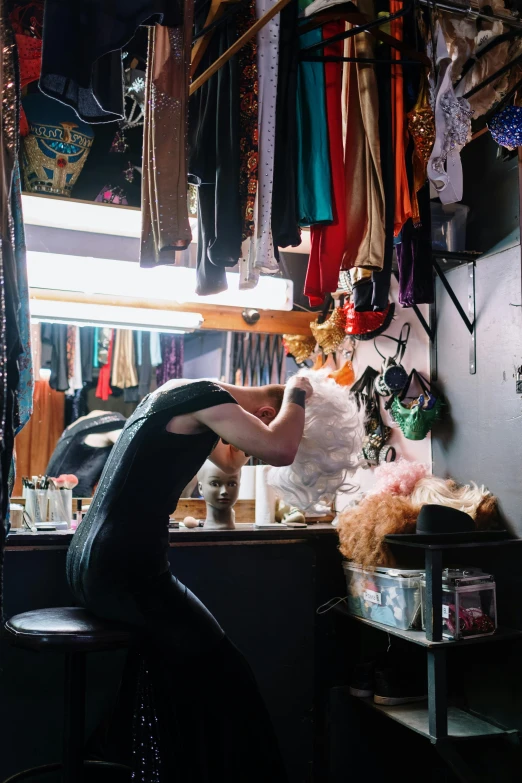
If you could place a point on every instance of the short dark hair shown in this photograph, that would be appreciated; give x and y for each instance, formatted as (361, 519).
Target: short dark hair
(275, 393)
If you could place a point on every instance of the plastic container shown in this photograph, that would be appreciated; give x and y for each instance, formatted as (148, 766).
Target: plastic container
(389, 596)
(60, 505)
(448, 226)
(470, 595)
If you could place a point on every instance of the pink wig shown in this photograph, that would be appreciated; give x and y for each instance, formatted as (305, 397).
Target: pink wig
(398, 478)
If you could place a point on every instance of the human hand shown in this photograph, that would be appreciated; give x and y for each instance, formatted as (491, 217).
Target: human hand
(301, 383)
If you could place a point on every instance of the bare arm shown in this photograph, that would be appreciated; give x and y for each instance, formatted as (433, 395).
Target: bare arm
(276, 444)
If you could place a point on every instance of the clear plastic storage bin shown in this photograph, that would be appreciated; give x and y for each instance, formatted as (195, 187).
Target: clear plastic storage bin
(448, 226)
(389, 596)
(470, 595)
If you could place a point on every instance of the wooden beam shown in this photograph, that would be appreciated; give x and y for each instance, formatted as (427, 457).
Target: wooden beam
(217, 8)
(232, 50)
(216, 317)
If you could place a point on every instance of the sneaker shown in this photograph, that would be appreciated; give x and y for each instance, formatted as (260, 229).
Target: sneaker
(394, 686)
(361, 684)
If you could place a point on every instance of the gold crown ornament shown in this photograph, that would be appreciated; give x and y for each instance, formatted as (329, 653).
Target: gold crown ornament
(56, 148)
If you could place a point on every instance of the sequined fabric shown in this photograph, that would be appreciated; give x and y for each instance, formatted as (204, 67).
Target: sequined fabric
(248, 117)
(330, 334)
(172, 358)
(165, 220)
(146, 757)
(458, 114)
(421, 124)
(506, 127)
(10, 303)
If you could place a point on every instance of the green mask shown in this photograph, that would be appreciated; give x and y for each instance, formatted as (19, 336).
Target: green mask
(417, 421)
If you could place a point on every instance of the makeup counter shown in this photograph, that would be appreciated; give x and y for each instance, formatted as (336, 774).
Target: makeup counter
(263, 586)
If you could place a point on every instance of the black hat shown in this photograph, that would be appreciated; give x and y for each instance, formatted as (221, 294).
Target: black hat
(443, 524)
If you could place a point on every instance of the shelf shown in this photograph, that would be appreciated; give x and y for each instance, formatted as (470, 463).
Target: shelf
(469, 545)
(419, 637)
(449, 261)
(461, 725)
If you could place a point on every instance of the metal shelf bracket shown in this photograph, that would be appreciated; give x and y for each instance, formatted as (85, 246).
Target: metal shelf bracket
(469, 319)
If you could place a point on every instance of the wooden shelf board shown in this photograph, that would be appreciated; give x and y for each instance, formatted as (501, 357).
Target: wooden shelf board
(419, 637)
(470, 545)
(461, 725)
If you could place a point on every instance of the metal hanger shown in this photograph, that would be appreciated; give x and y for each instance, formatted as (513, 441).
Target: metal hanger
(349, 13)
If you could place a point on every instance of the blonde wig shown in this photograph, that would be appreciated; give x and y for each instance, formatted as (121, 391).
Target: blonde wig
(362, 528)
(333, 432)
(448, 493)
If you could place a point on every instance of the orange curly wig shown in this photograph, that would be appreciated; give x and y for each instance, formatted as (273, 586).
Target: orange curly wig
(362, 528)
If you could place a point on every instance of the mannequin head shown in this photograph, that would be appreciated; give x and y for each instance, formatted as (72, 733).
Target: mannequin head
(220, 491)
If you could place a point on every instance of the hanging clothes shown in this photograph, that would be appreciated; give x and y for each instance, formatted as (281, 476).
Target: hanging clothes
(36, 442)
(71, 349)
(75, 380)
(365, 232)
(328, 241)
(144, 364)
(29, 47)
(24, 391)
(416, 284)
(81, 55)
(248, 119)
(55, 336)
(103, 390)
(172, 346)
(285, 218)
(124, 373)
(165, 226)
(371, 292)
(11, 347)
(87, 352)
(214, 160)
(314, 180)
(403, 209)
(36, 349)
(262, 256)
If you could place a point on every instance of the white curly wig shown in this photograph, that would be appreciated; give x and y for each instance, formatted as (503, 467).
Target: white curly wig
(327, 454)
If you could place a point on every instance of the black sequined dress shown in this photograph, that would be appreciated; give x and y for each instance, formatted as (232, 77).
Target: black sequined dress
(212, 725)
(73, 455)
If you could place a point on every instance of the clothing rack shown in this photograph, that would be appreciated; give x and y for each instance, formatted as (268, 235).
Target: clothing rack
(470, 11)
(366, 24)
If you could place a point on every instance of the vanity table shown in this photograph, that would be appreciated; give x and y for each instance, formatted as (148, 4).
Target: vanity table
(263, 586)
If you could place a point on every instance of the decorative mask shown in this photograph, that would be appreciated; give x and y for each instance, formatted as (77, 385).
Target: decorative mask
(416, 418)
(345, 376)
(366, 326)
(299, 346)
(56, 147)
(330, 334)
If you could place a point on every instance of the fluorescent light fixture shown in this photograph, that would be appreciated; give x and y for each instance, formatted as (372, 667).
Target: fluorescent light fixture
(163, 283)
(87, 314)
(66, 213)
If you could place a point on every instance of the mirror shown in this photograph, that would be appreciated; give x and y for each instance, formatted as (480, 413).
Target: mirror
(89, 380)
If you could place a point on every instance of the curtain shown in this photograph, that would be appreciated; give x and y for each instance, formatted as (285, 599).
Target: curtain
(36, 442)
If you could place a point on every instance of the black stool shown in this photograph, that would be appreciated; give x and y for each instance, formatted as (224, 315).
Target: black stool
(74, 633)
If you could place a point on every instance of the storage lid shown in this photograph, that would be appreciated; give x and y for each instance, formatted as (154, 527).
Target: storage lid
(464, 576)
(396, 573)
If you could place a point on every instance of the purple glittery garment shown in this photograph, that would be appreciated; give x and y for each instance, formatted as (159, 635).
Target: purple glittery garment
(172, 354)
(414, 258)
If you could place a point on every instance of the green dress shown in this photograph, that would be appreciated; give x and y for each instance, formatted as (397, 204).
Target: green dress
(313, 162)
